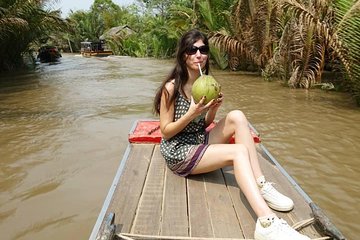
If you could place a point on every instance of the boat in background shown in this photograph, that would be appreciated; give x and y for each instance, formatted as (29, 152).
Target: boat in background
(48, 54)
(95, 49)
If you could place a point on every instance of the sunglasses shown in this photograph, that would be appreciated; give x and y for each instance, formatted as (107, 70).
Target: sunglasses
(204, 49)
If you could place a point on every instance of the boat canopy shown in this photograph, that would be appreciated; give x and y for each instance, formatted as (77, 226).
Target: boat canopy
(93, 46)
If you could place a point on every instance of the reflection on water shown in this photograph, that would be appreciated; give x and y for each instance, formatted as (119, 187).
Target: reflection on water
(63, 130)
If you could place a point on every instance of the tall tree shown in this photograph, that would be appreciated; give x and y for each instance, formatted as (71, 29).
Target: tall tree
(321, 32)
(23, 23)
(296, 39)
(252, 32)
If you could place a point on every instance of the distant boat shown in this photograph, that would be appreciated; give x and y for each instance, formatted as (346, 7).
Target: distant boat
(48, 54)
(95, 49)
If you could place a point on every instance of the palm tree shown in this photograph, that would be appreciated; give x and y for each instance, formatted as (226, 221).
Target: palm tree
(210, 16)
(252, 33)
(321, 32)
(307, 42)
(23, 23)
(296, 39)
(347, 27)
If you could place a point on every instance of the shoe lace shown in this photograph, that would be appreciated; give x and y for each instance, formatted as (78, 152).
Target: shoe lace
(268, 186)
(280, 225)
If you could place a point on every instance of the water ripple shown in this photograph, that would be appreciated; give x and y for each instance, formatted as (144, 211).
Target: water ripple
(64, 127)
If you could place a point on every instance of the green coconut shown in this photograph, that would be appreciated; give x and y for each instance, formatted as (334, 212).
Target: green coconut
(206, 86)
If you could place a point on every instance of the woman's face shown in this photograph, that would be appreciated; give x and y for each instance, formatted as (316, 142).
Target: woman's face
(198, 54)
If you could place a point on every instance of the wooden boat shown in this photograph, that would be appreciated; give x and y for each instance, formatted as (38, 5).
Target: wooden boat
(48, 54)
(147, 201)
(95, 49)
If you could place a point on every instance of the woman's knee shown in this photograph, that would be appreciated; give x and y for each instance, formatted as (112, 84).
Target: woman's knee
(241, 153)
(237, 116)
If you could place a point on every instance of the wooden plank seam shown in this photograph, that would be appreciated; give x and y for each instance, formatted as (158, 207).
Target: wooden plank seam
(208, 206)
(232, 202)
(142, 194)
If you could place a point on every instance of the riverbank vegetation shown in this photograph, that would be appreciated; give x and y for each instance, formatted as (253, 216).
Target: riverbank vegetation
(24, 27)
(296, 41)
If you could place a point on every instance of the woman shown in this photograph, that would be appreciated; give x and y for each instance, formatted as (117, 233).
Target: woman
(189, 149)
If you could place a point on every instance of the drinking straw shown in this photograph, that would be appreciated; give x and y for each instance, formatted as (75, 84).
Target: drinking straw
(200, 69)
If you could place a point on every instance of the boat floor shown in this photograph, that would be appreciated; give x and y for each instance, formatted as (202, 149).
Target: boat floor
(150, 200)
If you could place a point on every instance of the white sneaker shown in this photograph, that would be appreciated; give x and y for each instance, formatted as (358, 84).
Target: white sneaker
(277, 229)
(274, 199)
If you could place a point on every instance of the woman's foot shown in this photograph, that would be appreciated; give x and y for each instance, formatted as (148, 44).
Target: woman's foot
(274, 228)
(274, 199)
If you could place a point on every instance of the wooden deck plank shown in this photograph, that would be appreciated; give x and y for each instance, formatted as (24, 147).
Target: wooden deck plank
(245, 214)
(127, 194)
(199, 216)
(273, 176)
(224, 220)
(150, 200)
(174, 217)
(301, 209)
(148, 216)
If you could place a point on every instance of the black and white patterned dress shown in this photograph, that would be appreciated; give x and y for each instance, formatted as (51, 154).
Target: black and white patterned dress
(183, 151)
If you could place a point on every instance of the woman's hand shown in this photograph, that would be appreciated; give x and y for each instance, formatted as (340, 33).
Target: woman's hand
(196, 109)
(217, 102)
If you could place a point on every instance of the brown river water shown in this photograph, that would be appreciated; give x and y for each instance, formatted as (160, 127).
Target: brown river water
(63, 132)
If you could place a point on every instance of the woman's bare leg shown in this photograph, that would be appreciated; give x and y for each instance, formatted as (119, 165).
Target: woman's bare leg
(268, 226)
(235, 123)
(238, 156)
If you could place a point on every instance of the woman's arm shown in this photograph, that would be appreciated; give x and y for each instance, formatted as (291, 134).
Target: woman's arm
(168, 126)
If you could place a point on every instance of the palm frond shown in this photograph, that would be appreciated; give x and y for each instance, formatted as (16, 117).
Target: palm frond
(229, 44)
(207, 15)
(347, 22)
(323, 30)
(23, 23)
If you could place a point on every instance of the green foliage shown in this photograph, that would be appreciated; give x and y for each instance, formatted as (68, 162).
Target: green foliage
(25, 25)
(251, 35)
(102, 16)
(219, 57)
(324, 33)
(347, 28)
(156, 25)
(133, 47)
(295, 40)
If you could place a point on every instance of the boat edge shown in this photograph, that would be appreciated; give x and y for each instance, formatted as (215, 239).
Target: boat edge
(111, 191)
(334, 232)
(326, 226)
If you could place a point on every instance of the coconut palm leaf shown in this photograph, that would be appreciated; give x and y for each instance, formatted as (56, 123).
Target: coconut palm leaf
(230, 44)
(213, 15)
(253, 32)
(9, 24)
(207, 18)
(337, 24)
(316, 31)
(264, 29)
(22, 23)
(347, 23)
(182, 17)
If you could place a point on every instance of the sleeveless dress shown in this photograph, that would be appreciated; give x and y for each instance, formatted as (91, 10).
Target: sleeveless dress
(183, 151)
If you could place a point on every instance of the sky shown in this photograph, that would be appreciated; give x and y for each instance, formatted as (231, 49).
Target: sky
(67, 5)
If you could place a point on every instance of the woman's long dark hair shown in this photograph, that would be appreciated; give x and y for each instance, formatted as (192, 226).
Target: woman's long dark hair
(180, 72)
